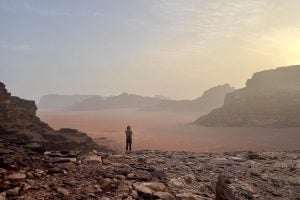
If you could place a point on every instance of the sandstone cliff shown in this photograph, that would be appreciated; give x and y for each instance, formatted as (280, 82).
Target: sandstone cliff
(270, 98)
(18, 121)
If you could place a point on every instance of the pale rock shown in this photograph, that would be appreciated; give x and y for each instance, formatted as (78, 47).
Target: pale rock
(155, 186)
(13, 192)
(164, 196)
(243, 185)
(63, 191)
(19, 176)
(177, 183)
(93, 159)
(142, 189)
(3, 196)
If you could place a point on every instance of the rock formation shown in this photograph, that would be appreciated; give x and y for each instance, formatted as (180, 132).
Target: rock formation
(270, 99)
(18, 121)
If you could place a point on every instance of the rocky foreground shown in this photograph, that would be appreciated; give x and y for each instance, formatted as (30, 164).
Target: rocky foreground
(27, 172)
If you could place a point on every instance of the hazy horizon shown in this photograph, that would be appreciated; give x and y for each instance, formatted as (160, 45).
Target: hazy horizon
(172, 48)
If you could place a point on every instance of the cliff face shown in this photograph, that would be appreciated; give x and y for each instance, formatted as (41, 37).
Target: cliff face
(270, 98)
(18, 121)
(17, 113)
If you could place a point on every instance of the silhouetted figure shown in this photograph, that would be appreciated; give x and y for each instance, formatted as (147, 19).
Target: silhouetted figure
(129, 134)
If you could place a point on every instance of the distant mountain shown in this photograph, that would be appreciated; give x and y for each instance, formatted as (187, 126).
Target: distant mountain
(211, 99)
(115, 102)
(56, 101)
(270, 98)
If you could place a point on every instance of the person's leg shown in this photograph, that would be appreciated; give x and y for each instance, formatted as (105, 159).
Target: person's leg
(126, 145)
(130, 146)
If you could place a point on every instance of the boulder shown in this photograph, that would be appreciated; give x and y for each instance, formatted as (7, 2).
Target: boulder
(222, 190)
(143, 190)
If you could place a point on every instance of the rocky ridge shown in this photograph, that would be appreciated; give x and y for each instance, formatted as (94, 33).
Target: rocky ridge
(18, 122)
(271, 98)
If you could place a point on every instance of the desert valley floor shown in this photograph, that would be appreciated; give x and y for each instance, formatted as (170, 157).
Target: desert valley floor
(165, 131)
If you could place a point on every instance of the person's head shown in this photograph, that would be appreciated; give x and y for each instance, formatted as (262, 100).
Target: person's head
(128, 127)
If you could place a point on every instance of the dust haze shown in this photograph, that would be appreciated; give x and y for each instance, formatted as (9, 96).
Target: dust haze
(170, 131)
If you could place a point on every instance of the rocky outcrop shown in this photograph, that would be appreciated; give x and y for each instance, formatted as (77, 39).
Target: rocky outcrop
(16, 113)
(18, 122)
(270, 99)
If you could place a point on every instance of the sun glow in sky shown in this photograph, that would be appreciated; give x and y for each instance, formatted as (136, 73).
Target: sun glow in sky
(170, 47)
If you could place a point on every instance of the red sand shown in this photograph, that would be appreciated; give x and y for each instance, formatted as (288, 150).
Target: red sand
(167, 131)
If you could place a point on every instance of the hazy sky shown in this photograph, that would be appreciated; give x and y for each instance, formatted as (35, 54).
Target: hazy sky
(176, 48)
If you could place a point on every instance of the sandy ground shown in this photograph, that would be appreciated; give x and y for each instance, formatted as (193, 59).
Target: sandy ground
(166, 131)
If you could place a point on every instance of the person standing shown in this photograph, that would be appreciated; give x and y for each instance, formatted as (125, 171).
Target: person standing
(129, 134)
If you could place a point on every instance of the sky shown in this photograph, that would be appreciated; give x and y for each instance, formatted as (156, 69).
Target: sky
(174, 48)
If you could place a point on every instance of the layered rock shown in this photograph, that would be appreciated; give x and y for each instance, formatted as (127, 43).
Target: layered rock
(271, 98)
(18, 122)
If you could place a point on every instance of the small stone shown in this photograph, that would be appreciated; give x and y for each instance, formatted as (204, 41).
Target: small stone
(222, 190)
(93, 159)
(142, 189)
(142, 160)
(160, 174)
(105, 198)
(106, 184)
(26, 187)
(155, 186)
(177, 183)
(237, 159)
(252, 155)
(55, 170)
(63, 191)
(120, 177)
(123, 190)
(3, 196)
(13, 192)
(3, 171)
(17, 176)
(164, 196)
(189, 178)
(188, 196)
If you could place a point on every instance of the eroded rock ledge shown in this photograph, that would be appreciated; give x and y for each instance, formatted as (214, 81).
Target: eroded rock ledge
(19, 123)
